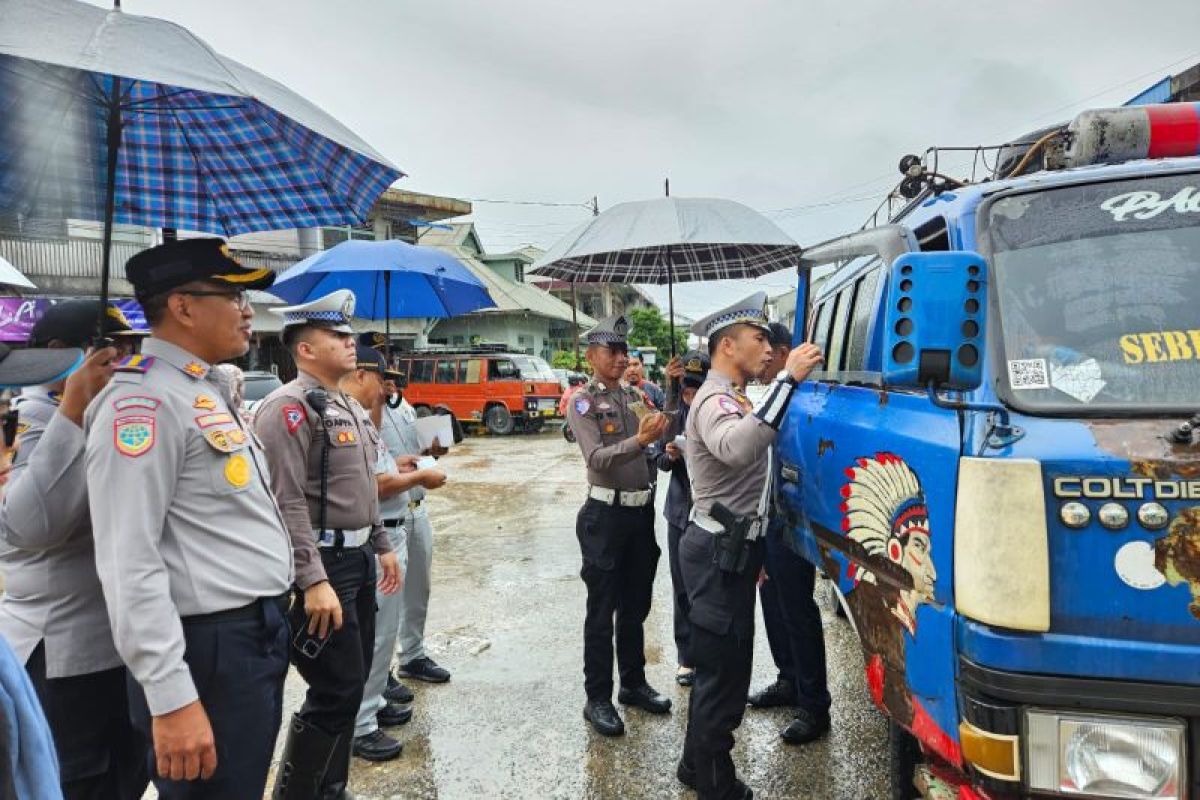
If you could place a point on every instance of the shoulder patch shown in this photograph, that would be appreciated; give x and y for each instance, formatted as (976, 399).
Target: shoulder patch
(293, 416)
(135, 363)
(582, 405)
(729, 405)
(205, 403)
(133, 434)
(136, 401)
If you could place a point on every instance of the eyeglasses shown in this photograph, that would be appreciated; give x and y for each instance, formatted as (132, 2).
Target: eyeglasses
(238, 296)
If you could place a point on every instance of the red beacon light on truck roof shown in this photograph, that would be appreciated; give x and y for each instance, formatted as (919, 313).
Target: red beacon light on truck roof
(1113, 135)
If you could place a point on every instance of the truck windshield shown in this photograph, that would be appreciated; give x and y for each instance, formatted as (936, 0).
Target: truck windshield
(1098, 287)
(535, 369)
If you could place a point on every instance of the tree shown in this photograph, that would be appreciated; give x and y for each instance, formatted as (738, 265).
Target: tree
(565, 359)
(649, 328)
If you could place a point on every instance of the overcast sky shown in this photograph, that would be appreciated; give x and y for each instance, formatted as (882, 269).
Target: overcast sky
(805, 106)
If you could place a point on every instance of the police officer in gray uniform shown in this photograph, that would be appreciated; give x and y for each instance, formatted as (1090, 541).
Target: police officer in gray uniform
(615, 528)
(721, 553)
(52, 610)
(323, 450)
(192, 552)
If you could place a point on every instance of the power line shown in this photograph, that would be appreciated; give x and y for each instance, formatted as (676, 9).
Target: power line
(547, 203)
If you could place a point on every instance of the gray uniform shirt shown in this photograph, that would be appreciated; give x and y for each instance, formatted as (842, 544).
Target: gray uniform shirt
(400, 436)
(291, 434)
(182, 512)
(51, 589)
(728, 446)
(605, 427)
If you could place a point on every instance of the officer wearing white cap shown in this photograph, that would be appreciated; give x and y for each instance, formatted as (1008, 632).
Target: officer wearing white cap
(52, 610)
(191, 549)
(728, 453)
(615, 528)
(323, 452)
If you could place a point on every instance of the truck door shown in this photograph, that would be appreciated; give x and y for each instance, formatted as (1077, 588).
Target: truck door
(867, 484)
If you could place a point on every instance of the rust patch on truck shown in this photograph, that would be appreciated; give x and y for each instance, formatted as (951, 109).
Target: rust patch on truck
(1177, 555)
(824, 446)
(1144, 444)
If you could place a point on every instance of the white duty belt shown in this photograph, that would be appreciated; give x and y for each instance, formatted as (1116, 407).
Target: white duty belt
(350, 538)
(620, 497)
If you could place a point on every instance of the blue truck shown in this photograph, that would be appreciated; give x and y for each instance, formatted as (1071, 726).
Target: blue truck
(998, 470)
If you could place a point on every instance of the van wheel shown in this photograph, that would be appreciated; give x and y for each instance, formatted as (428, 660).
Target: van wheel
(498, 421)
(903, 756)
(423, 411)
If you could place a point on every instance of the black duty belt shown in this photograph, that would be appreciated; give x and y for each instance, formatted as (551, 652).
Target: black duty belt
(250, 611)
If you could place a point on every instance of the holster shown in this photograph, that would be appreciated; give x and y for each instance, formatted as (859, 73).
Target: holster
(732, 548)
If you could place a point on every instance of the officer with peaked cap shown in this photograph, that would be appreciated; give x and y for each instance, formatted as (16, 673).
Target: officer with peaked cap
(323, 450)
(729, 457)
(615, 528)
(52, 610)
(191, 549)
(692, 369)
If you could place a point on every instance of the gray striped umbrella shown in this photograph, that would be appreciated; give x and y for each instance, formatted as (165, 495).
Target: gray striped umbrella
(670, 240)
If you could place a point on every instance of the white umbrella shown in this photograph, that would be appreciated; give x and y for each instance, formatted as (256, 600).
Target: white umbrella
(11, 276)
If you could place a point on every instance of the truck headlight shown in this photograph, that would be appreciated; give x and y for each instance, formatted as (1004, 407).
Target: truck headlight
(1104, 756)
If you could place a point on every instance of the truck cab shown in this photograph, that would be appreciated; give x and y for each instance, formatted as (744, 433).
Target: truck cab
(997, 470)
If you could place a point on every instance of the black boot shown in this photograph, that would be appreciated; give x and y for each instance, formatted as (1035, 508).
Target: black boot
(306, 756)
(337, 777)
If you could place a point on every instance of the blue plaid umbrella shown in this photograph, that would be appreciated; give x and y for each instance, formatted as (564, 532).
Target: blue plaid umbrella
(128, 119)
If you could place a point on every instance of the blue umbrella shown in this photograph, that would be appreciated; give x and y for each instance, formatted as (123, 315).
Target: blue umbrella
(122, 118)
(390, 280)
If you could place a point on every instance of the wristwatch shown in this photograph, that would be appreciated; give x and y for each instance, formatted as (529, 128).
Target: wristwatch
(785, 377)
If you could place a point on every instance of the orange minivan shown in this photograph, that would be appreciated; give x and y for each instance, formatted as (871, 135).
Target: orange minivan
(482, 385)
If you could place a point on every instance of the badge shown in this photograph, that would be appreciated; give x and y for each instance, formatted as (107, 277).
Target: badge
(293, 417)
(332, 412)
(195, 369)
(208, 420)
(136, 401)
(237, 470)
(582, 405)
(221, 440)
(133, 435)
(204, 403)
(610, 427)
(135, 363)
(237, 436)
(346, 437)
(604, 406)
(729, 405)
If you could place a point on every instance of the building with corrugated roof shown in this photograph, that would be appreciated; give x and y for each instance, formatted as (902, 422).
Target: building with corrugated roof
(526, 317)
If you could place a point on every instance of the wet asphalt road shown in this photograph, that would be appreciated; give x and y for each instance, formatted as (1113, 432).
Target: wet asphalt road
(506, 618)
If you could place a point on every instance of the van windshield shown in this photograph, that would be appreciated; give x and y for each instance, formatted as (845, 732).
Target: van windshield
(1098, 288)
(535, 369)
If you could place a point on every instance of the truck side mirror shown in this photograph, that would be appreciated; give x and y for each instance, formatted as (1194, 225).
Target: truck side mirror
(935, 321)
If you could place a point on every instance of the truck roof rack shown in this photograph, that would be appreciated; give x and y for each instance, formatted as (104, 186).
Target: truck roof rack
(886, 241)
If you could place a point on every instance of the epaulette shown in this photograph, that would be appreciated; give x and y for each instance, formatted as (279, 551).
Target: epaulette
(135, 363)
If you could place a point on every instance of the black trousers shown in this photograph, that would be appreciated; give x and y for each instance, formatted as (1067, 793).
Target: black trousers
(238, 666)
(101, 756)
(722, 616)
(620, 558)
(683, 626)
(336, 676)
(793, 623)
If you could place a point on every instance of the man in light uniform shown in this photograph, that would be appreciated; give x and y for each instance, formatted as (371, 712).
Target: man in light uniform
(728, 454)
(191, 549)
(52, 609)
(367, 386)
(615, 528)
(323, 448)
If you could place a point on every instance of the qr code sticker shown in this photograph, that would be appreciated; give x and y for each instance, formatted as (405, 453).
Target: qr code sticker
(1028, 373)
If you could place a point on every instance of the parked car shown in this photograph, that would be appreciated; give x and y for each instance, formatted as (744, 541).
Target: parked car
(483, 386)
(258, 386)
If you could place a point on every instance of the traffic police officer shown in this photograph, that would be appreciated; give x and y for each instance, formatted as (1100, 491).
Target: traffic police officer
(52, 609)
(615, 528)
(192, 552)
(322, 449)
(791, 616)
(728, 453)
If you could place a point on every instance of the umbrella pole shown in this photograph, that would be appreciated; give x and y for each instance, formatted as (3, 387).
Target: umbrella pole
(575, 324)
(671, 299)
(387, 317)
(110, 197)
